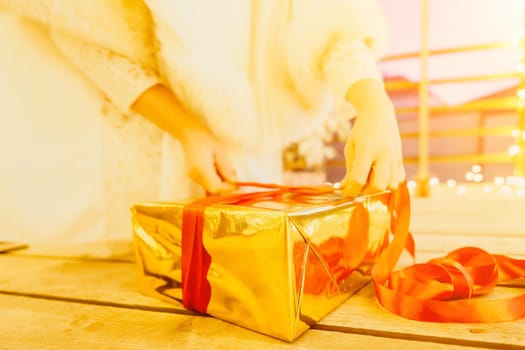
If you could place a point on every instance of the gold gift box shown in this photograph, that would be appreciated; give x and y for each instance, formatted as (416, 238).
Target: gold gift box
(277, 267)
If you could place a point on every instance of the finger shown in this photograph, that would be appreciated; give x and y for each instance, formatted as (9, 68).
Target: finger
(398, 176)
(224, 167)
(379, 177)
(207, 177)
(358, 173)
(349, 156)
(352, 188)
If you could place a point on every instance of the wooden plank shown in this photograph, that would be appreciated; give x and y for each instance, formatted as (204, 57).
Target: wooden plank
(487, 104)
(28, 323)
(443, 243)
(11, 246)
(362, 314)
(474, 220)
(113, 283)
(474, 212)
(488, 46)
(114, 251)
(109, 283)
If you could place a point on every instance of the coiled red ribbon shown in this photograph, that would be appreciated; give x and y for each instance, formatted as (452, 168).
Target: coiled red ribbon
(442, 290)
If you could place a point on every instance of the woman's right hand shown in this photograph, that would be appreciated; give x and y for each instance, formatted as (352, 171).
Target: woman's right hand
(206, 159)
(207, 162)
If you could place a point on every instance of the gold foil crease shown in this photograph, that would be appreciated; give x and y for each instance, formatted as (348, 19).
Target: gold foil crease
(256, 281)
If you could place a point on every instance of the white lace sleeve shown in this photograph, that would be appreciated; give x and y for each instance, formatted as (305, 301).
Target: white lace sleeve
(120, 78)
(347, 62)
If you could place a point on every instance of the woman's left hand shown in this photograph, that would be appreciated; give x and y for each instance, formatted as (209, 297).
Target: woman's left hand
(373, 154)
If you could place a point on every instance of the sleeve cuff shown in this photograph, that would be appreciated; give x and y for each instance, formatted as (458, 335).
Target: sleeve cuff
(121, 78)
(347, 62)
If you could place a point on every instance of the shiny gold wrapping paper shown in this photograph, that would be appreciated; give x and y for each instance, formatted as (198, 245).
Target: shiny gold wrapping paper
(262, 258)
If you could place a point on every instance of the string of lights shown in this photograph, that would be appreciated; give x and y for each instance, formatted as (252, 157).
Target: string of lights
(475, 180)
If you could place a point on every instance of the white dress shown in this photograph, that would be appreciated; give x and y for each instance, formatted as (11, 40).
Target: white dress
(74, 158)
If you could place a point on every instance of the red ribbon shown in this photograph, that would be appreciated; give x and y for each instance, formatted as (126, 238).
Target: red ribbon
(196, 290)
(441, 290)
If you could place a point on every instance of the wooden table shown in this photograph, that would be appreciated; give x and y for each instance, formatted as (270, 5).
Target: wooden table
(51, 302)
(73, 303)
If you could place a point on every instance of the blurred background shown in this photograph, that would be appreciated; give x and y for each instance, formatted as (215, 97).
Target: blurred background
(455, 72)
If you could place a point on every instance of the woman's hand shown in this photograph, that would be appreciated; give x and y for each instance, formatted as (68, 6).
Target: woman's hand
(206, 160)
(373, 154)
